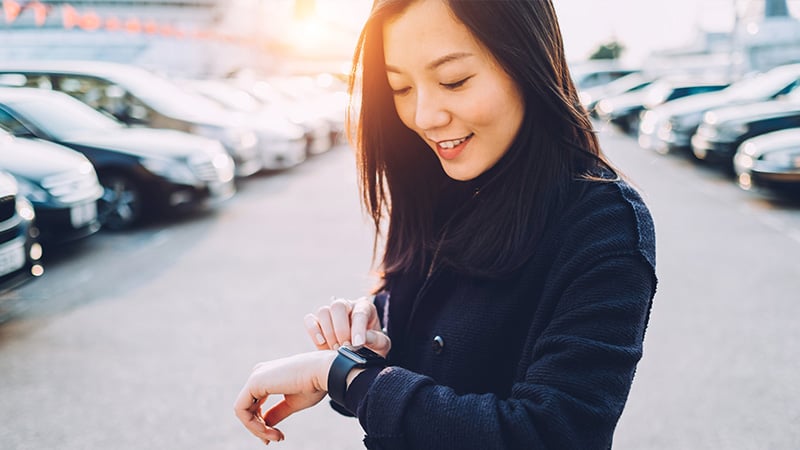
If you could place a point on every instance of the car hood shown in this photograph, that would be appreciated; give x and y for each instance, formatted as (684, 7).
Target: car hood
(695, 104)
(34, 159)
(777, 140)
(755, 111)
(146, 142)
(628, 100)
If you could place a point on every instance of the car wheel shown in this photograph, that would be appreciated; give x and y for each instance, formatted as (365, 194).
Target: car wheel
(121, 204)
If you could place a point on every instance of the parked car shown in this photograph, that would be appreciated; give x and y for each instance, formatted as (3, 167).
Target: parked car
(589, 74)
(629, 83)
(623, 110)
(282, 144)
(136, 96)
(672, 125)
(317, 126)
(60, 183)
(770, 161)
(329, 103)
(723, 130)
(143, 171)
(20, 251)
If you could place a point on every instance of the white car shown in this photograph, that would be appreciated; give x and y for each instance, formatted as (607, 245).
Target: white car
(771, 161)
(281, 143)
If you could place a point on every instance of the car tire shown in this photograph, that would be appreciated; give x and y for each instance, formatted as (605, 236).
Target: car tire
(120, 207)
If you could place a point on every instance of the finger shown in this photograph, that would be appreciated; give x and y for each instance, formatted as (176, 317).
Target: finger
(340, 316)
(359, 318)
(326, 325)
(278, 412)
(379, 342)
(248, 411)
(315, 332)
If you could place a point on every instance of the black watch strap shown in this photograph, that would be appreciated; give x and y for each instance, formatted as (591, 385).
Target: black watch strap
(346, 360)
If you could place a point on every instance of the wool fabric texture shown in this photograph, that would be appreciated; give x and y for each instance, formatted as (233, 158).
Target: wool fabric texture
(542, 360)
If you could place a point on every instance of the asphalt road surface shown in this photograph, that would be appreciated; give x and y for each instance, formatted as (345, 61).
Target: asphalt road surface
(142, 339)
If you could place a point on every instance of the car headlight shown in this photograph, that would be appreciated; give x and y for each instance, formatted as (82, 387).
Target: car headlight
(175, 171)
(32, 192)
(786, 158)
(585, 98)
(605, 107)
(248, 139)
(25, 209)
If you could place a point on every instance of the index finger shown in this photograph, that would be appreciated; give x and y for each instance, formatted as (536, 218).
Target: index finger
(363, 312)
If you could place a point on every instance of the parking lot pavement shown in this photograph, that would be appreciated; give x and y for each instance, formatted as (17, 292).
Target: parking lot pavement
(142, 339)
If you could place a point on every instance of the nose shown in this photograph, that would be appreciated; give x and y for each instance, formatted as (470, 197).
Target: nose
(430, 112)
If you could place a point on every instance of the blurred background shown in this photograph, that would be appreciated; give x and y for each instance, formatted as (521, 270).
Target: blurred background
(177, 192)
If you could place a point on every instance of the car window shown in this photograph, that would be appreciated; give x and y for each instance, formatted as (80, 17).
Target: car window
(14, 126)
(63, 117)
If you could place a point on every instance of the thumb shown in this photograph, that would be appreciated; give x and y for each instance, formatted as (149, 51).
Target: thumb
(379, 342)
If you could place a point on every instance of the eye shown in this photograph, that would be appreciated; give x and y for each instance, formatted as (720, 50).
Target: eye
(401, 91)
(455, 85)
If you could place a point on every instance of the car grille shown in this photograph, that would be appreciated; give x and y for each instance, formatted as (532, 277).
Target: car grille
(205, 170)
(8, 207)
(73, 187)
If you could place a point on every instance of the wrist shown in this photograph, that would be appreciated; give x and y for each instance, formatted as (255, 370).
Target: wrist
(352, 375)
(347, 364)
(326, 361)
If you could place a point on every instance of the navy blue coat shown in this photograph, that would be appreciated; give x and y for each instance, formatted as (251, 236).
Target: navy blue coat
(544, 360)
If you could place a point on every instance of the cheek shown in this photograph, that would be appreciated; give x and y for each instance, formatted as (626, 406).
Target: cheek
(405, 111)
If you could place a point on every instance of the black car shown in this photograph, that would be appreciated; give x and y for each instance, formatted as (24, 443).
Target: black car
(60, 183)
(143, 171)
(723, 130)
(672, 125)
(20, 252)
(135, 96)
(624, 110)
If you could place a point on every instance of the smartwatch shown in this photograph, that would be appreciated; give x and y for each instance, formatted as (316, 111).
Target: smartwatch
(347, 359)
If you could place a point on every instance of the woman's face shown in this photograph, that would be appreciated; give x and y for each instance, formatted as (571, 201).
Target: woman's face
(450, 90)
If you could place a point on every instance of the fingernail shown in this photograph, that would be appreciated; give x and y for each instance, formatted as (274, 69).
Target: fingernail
(346, 343)
(320, 339)
(309, 321)
(358, 340)
(336, 346)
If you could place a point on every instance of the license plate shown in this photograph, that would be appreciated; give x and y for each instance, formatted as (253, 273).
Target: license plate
(82, 214)
(12, 256)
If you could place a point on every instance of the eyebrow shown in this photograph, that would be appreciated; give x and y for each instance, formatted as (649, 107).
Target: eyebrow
(435, 64)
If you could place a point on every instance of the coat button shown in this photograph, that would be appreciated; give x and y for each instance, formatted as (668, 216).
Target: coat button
(438, 345)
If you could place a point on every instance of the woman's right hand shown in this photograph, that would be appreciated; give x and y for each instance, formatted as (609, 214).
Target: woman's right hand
(348, 322)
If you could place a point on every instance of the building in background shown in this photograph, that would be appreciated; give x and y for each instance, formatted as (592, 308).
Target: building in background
(180, 37)
(764, 35)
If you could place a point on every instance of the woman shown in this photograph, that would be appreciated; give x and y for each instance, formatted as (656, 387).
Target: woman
(518, 268)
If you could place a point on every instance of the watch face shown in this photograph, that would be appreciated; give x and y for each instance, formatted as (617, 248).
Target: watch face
(361, 355)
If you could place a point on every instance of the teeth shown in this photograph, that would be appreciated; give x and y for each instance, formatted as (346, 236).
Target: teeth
(452, 144)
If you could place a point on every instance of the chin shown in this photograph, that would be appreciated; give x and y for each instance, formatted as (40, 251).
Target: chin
(459, 173)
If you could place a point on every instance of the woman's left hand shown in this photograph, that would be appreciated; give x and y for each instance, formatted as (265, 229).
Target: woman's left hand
(302, 380)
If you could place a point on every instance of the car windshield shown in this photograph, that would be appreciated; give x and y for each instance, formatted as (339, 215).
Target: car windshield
(62, 117)
(228, 96)
(163, 94)
(761, 86)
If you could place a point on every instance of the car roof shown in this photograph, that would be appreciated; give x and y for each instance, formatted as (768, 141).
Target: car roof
(106, 69)
(22, 93)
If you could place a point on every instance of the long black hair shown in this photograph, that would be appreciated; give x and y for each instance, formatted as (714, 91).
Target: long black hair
(402, 180)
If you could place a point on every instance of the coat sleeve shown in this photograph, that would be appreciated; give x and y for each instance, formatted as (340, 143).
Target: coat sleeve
(570, 395)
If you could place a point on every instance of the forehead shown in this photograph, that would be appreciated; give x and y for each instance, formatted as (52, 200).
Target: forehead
(423, 32)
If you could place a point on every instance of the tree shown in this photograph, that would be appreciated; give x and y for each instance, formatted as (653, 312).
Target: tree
(609, 50)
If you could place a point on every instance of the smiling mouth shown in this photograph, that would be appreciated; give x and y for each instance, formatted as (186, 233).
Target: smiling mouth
(448, 145)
